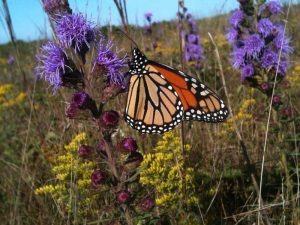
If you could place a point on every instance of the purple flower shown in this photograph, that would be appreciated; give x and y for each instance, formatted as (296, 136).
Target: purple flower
(283, 66)
(85, 151)
(265, 86)
(11, 60)
(238, 58)
(193, 24)
(128, 145)
(281, 41)
(56, 6)
(148, 16)
(269, 59)
(274, 7)
(76, 32)
(193, 52)
(123, 196)
(109, 119)
(81, 99)
(247, 71)
(231, 35)
(265, 27)
(146, 204)
(236, 18)
(54, 64)
(109, 63)
(253, 45)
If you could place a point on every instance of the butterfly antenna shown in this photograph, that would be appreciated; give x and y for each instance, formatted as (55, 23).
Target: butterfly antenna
(128, 37)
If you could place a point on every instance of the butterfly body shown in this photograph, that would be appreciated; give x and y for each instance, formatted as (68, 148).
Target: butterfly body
(160, 97)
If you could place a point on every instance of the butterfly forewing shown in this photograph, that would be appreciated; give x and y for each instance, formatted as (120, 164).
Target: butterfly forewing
(152, 105)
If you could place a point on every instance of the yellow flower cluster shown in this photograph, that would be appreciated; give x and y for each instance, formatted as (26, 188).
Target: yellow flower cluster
(242, 117)
(73, 182)
(6, 93)
(163, 170)
(294, 76)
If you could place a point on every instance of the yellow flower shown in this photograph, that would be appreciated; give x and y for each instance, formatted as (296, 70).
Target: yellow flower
(163, 170)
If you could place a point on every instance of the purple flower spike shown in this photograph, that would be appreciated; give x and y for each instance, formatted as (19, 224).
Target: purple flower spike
(265, 27)
(109, 63)
(123, 196)
(247, 71)
(81, 99)
(76, 32)
(148, 16)
(97, 177)
(281, 41)
(274, 7)
(54, 63)
(238, 58)
(237, 18)
(253, 45)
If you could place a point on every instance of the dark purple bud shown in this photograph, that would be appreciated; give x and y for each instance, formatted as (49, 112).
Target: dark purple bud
(147, 204)
(101, 147)
(81, 99)
(56, 7)
(133, 161)
(123, 196)
(109, 119)
(265, 86)
(85, 151)
(128, 145)
(287, 111)
(72, 112)
(97, 177)
(276, 99)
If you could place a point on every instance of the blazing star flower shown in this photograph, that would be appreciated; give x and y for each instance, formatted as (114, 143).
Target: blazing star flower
(238, 58)
(237, 17)
(281, 41)
(148, 16)
(76, 32)
(265, 27)
(54, 64)
(247, 71)
(253, 45)
(231, 35)
(274, 7)
(109, 63)
(269, 59)
(56, 7)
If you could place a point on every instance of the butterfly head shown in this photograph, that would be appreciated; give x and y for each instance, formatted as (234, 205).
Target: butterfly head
(138, 62)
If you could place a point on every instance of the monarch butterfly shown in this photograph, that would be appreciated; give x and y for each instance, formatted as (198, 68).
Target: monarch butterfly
(160, 97)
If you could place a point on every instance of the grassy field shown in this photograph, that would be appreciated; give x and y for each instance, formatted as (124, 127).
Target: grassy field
(217, 177)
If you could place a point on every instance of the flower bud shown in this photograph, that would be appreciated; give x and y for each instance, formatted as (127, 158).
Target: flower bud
(146, 204)
(85, 151)
(287, 111)
(127, 145)
(276, 99)
(72, 111)
(123, 196)
(81, 99)
(97, 177)
(265, 86)
(109, 119)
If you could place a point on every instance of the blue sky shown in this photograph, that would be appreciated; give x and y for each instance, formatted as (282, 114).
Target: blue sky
(30, 22)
